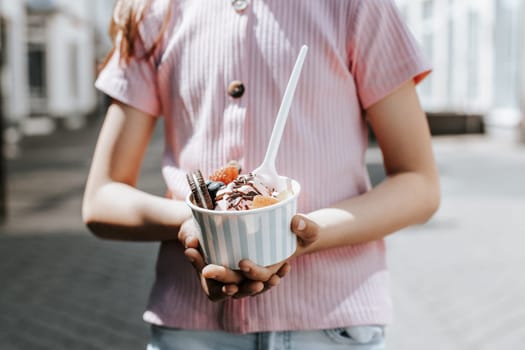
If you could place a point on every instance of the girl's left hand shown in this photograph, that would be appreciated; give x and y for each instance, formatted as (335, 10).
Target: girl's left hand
(263, 278)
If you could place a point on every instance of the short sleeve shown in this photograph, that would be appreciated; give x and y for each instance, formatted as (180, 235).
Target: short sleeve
(135, 82)
(383, 52)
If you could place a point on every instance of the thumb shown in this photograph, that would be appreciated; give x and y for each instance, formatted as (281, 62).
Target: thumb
(188, 235)
(306, 229)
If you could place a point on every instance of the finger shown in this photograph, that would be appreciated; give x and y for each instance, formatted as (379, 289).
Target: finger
(221, 274)
(188, 240)
(249, 288)
(195, 258)
(191, 242)
(230, 289)
(307, 230)
(255, 272)
(188, 236)
(273, 281)
(283, 271)
(214, 290)
(276, 279)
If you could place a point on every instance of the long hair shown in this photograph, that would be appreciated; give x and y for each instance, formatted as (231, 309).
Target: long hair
(124, 30)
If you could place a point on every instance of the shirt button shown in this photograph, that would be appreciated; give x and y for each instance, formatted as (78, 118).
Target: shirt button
(240, 5)
(236, 89)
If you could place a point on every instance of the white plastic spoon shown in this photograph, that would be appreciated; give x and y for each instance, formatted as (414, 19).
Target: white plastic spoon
(266, 171)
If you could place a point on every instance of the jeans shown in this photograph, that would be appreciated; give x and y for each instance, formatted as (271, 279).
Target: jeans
(357, 337)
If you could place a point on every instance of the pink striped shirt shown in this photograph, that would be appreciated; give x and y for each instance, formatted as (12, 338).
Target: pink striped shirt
(359, 52)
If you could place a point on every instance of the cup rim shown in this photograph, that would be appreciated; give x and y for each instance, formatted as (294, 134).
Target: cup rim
(296, 190)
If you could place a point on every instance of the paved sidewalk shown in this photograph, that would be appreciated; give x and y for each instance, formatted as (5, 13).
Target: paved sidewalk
(62, 288)
(457, 280)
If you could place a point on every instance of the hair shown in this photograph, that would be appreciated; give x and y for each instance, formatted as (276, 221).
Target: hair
(124, 30)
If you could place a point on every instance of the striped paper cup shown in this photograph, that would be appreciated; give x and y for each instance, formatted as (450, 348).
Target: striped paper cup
(262, 235)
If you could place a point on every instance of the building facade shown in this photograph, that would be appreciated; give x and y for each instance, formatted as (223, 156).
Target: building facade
(475, 47)
(51, 48)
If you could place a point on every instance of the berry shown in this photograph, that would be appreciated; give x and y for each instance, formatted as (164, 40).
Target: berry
(235, 164)
(225, 175)
(213, 187)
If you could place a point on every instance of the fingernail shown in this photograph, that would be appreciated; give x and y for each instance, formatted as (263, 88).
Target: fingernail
(187, 242)
(301, 225)
(245, 269)
(228, 291)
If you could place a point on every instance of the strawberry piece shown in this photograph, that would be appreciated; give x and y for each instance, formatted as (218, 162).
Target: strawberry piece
(235, 164)
(225, 175)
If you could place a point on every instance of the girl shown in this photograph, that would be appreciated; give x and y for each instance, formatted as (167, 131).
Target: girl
(216, 71)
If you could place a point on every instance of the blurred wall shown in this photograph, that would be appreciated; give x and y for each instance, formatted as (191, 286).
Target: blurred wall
(53, 47)
(101, 11)
(475, 49)
(14, 75)
(71, 61)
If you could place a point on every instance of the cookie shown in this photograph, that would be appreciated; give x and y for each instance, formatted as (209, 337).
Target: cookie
(198, 187)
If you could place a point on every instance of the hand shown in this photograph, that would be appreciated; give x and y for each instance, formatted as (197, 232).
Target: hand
(307, 232)
(219, 282)
(259, 279)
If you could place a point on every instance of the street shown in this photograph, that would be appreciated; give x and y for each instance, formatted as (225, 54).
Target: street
(457, 282)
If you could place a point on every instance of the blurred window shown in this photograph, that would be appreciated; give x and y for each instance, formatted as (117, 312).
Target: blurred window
(428, 9)
(37, 70)
(505, 54)
(3, 40)
(41, 5)
(473, 55)
(451, 60)
(73, 70)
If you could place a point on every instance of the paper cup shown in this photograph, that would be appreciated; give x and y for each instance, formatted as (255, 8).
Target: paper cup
(262, 235)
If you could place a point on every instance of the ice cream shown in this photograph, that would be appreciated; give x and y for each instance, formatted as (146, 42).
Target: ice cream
(231, 191)
(240, 193)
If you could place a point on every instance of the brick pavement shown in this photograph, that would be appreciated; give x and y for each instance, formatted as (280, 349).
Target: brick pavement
(456, 280)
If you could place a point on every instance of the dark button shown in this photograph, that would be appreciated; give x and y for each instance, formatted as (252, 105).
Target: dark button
(239, 5)
(236, 89)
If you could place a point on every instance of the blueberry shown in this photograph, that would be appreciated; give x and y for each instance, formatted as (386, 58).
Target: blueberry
(213, 187)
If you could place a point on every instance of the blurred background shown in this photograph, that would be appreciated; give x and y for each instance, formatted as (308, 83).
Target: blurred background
(456, 280)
